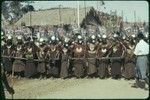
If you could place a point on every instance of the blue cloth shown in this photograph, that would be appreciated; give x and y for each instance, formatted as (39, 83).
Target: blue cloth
(141, 67)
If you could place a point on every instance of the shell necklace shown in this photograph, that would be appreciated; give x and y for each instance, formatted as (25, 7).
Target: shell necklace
(79, 49)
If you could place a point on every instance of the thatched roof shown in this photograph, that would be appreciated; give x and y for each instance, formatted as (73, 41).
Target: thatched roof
(51, 17)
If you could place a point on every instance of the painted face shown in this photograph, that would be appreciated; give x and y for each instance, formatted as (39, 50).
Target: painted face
(91, 46)
(3, 43)
(65, 50)
(131, 47)
(79, 37)
(41, 44)
(115, 49)
(42, 52)
(37, 44)
(80, 41)
(53, 38)
(18, 48)
(53, 47)
(93, 41)
(30, 49)
(93, 37)
(124, 37)
(134, 41)
(104, 50)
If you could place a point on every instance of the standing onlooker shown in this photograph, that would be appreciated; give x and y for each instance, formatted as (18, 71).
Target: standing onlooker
(141, 51)
(5, 84)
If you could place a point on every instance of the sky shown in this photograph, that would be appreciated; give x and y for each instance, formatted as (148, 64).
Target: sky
(128, 7)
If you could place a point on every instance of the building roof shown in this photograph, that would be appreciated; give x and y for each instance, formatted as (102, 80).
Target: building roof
(51, 17)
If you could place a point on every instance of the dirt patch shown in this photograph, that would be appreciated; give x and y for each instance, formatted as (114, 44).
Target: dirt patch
(75, 88)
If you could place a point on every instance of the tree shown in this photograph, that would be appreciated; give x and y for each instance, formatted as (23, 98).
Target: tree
(13, 10)
(5, 10)
(27, 8)
(30, 8)
(28, 5)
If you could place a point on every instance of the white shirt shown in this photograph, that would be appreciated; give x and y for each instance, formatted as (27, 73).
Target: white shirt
(142, 48)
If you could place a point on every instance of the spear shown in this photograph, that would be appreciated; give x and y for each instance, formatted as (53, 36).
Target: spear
(134, 16)
(122, 15)
(78, 13)
(60, 14)
(12, 80)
